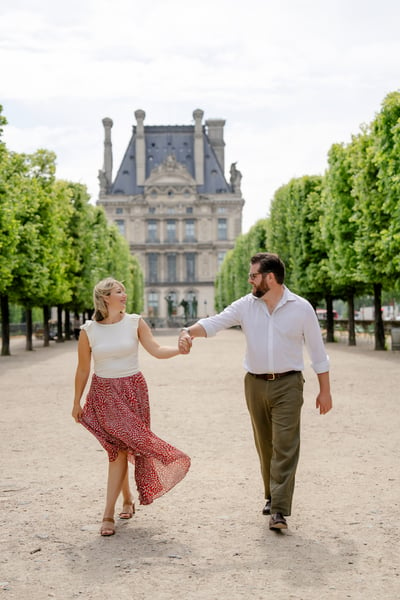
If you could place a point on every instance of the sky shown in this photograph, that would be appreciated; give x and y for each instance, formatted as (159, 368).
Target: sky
(290, 77)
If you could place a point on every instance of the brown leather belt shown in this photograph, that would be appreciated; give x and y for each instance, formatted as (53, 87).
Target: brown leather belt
(272, 376)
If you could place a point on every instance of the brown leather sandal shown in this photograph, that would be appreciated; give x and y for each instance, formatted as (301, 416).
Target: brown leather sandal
(127, 514)
(109, 530)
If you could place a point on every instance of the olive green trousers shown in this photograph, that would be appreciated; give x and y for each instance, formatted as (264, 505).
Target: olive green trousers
(275, 408)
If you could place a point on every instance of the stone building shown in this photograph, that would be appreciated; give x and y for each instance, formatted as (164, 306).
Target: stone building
(171, 200)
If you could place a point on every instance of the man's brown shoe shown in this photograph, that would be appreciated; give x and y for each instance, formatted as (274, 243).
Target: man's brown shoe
(277, 521)
(267, 508)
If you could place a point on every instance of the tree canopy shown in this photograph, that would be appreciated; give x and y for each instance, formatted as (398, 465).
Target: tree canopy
(339, 233)
(54, 244)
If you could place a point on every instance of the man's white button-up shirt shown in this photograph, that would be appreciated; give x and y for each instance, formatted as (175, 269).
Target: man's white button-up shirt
(274, 340)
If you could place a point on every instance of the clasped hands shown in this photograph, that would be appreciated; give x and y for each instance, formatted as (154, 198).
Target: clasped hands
(184, 343)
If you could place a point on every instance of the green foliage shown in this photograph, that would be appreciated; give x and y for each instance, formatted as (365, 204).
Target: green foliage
(3, 121)
(54, 245)
(136, 299)
(338, 234)
(224, 283)
(278, 233)
(294, 232)
(9, 226)
(385, 133)
(338, 228)
(231, 281)
(79, 232)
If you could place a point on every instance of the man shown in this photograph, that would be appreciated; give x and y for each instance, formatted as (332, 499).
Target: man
(276, 324)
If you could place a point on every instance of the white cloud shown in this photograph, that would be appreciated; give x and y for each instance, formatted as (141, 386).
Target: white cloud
(290, 78)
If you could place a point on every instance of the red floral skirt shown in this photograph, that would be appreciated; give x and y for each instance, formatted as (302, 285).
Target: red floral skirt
(117, 413)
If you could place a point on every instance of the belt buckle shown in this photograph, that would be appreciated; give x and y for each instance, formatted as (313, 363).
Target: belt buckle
(273, 377)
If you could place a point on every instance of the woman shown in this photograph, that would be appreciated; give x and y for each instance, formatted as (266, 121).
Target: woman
(117, 405)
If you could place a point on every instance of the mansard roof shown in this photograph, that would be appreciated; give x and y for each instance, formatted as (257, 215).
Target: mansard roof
(162, 142)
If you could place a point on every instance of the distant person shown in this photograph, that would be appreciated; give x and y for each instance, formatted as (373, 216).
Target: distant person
(116, 410)
(76, 326)
(276, 324)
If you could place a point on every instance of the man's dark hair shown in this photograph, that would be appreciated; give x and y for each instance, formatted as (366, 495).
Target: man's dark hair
(270, 263)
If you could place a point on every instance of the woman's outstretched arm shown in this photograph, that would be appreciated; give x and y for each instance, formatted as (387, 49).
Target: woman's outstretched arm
(152, 346)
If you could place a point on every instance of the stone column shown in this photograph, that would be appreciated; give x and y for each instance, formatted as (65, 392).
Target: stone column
(198, 147)
(215, 132)
(140, 148)
(108, 158)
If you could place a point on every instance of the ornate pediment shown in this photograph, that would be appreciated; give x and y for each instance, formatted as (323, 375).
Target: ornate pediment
(170, 173)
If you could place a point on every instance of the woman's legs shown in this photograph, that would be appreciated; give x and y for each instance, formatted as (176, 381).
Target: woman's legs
(117, 472)
(126, 490)
(128, 507)
(118, 480)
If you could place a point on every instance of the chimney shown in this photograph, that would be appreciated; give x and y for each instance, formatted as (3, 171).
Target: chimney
(140, 149)
(215, 132)
(108, 158)
(198, 147)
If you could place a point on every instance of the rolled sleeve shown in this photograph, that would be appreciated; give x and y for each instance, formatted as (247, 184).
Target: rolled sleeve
(315, 344)
(230, 317)
(321, 367)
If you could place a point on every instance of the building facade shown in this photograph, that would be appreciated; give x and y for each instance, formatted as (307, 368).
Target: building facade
(179, 214)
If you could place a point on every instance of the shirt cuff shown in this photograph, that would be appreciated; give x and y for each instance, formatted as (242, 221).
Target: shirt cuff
(207, 326)
(321, 367)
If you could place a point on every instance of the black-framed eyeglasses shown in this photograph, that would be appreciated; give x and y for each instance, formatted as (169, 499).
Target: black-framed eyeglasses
(252, 276)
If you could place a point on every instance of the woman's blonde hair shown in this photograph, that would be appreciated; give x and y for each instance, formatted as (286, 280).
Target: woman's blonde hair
(100, 291)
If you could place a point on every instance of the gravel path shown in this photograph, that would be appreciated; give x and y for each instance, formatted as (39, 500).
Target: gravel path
(207, 538)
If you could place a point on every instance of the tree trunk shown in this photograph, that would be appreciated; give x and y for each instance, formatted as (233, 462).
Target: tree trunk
(379, 328)
(351, 323)
(330, 335)
(46, 325)
(5, 326)
(60, 337)
(67, 324)
(28, 317)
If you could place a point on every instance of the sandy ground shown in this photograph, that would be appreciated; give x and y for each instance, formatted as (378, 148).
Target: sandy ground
(207, 538)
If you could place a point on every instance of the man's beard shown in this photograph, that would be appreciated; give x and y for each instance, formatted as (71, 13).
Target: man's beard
(261, 290)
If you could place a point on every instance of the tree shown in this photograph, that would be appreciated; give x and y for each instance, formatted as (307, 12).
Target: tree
(51, 285)
(294, 231)
(136, 301)
(54, 244)
(231, 282)
(385, 134)
(80, 235)
(339, 230)
(224, 283)
(8, 244)
(278, 226)
(30, 272)
(20, 266)
(372, 220)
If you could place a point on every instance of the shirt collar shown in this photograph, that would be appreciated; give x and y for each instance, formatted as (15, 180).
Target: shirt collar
(287, 296)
